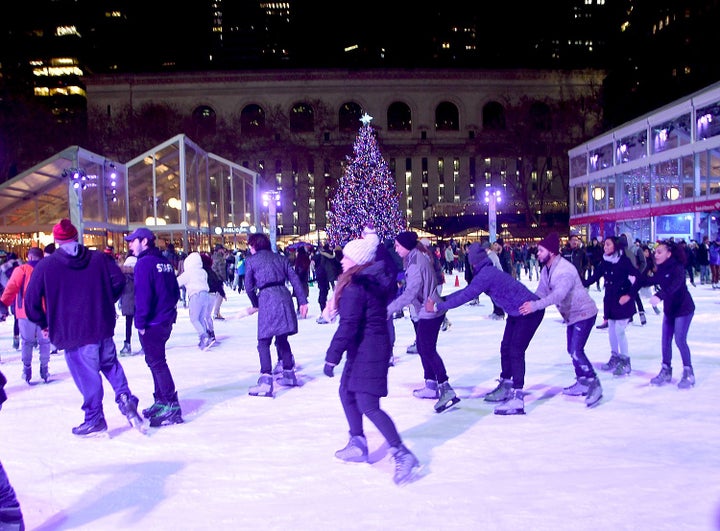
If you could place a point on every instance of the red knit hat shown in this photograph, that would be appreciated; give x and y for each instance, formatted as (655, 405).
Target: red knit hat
(65, 231)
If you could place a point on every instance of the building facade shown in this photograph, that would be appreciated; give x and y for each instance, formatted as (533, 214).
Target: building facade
(655, 177)
(446, 134)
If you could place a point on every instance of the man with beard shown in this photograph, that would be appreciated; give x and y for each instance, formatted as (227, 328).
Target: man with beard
(560, 284)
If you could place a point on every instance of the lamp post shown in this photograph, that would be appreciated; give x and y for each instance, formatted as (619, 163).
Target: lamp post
(492, 198)
(271, 200)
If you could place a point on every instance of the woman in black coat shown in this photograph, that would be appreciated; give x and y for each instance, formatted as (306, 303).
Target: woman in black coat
(678, 310)
(361, 297)
(618, 303)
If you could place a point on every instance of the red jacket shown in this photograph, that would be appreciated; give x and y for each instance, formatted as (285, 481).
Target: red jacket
(16, 287)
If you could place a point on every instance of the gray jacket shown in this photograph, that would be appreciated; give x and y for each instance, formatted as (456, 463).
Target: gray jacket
(266, 274)
(420, 283)
(560, 285)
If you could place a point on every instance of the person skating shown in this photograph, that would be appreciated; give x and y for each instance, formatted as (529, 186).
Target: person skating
(510, 295)
(11, 517)
(266, 274)
(362, 293)
(156, 297)
(421, 283)
(30, 333)
(678, 311)
(71, 296)
(560, 284)
(618, 302)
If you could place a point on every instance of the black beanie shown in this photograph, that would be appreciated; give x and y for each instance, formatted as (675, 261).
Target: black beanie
(551, 242)
(407, 239)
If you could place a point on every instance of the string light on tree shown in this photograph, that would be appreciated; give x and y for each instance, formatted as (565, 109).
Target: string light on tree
(366, 193)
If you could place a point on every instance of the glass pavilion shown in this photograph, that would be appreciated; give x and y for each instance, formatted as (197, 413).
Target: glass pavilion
(187, 196)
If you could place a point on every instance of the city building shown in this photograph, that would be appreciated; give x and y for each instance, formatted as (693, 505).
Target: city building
(655, 177)
(447, 135)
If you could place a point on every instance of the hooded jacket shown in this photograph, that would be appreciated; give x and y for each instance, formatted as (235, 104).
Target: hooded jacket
(194, 277)
(79, 292)
(14, 292)
(501, 287)
(156, 290)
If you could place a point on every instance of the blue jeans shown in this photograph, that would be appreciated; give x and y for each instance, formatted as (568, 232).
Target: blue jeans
(577, 336)
(519, 330)
(153, 343)
(85, 364)
(678, 327)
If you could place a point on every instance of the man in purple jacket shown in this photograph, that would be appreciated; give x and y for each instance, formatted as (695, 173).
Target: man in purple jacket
(156, 296)
(71, 296)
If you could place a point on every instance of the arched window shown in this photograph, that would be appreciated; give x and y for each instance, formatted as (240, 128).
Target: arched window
(446, 117)
(540, 117)
(204, 119)
(399, 117)
(493, 116)
(349, 117)
(302, 119)
(252, 120)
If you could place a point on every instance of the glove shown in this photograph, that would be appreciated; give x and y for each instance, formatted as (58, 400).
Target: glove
(329, 370)
(3, 312)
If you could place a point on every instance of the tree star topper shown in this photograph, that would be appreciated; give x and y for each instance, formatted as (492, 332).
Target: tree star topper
(366, 119)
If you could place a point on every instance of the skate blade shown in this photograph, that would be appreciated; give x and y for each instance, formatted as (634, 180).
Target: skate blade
(447, 405)
(94, 435)
(413, 476)
(265, 395)
(165, 423)
(139, 425)
(510, 412)
(594, 404)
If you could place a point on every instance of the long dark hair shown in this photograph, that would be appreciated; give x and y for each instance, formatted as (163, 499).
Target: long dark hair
(676, 251)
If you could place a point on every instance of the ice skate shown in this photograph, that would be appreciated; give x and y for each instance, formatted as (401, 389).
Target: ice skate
(594, 392)
(688, 378)
(447, 399)
(288, 378)
(501, 392)
(623, 367)
(663, 377)
(91, 428)
(515, 405)
(612, 362)
(264, 386)
(429, 391)
(406, 464)
(355, 451)
(128, 407)
(167, 413)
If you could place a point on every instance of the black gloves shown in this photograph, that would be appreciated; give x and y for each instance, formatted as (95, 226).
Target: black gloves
(329, 369)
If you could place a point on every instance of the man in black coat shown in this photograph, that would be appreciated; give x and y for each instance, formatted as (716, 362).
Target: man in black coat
(71, 296)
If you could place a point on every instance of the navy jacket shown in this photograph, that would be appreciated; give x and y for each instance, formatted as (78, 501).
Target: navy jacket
(363, 331)
(80, 293)
(670, 276)
(617, 283)
(156, 290)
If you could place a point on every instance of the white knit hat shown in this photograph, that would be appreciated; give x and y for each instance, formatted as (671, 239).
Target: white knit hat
(361, 251)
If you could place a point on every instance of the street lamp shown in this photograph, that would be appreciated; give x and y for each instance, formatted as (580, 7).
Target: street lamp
(271, 199)
(492, 198)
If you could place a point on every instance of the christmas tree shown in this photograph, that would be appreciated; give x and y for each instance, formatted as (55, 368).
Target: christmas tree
(366, 194)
